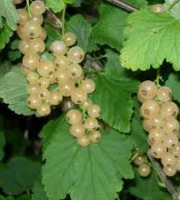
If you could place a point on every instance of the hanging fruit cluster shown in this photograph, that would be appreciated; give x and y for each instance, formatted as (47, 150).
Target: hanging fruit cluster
(160, 121)
(49, 81)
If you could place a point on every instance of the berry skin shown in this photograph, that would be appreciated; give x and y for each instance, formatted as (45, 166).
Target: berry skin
(87, 103)
(61, 62)
(55, 98)
(88, 85)
(23, 16)
(171, 125)
(37, 7)
(78, 96)
(75, 70)
(44, 82)
(44, 94)
(83, 141)
(62, 76)
(67, 88)
(30, 61)
(149, 109)
(144, 170)
(147, 90)
(77, 130)
(158, 150)
(34, 102)
(169, 109)
(58, 48)
(91, 124)
(37, 45)
(168, 160)
(38, 19)
(44, 110)
(46, 68)
(32, 77)
(76, 54)
(169, 171)
(32, 29)
(156, 135)
(74, 116)
(95, 136)
(164, 94)
(94, 111)
(24, 46)
(69, 39)
(139, 160)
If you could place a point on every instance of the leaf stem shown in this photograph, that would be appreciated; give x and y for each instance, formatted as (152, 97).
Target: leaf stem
(123, 5)
(28, 8)
(173, 4)
(63, 20)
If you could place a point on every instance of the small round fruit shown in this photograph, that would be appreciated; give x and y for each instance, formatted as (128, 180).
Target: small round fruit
(67, 104)
(86, 104)
(31, 61)
(38, 19)
(169, 109)
(69, 39)
(46, 68)
(158, 150)
(43, 34)
(169, 171)
(149, 109)
(32, 77)
(32, 29)
(44, 110)
(44, 82)
(88, 85)
(156, 135)
(158, 8)
(74, 116)
(21, 33)
(77, 130)
(171, 126)
(79, 96)
(170, 140)
(144, 170)
(23, 16)
(62, 76)
(164, 94)
(91, 124)
(61, 62)
(76, 54)
(139, 160)
(37, 7)
(176, 150)
(33, 88)
(148, 90)
(44, 94)
(37, 45)
(33, 101)
(58, 48)
(94, 111)
(168, 160)
(75, 70)
(67, 88)
(83, 141)
(157, 121)
(95, 136)
(24, 46)
(55, 98)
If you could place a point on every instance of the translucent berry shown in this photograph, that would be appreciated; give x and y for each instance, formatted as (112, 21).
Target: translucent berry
(62, 76)
(38, 19)
(158, 150)
(32, 77)
(164, 94)
(148, 90)
(169, 109)
(83, 141)
(169, 171)
(33, 101)
(44, 110)
(23, 16)
(91, 124)
(58, 48)
(46, 68)
(37, 45)
(144, 170)
(74, 116)
(94, 111)
(139, 160)
(95, 136)
(37, 7)
(158, 8)
(61, 62)
(168, 160)
(44, 82)
(150, 108)
(88, 85)
(66, 88)
(32, 29)
(77, 130)
(31, 61)
(76, 54)
(24, 46)
(55, 98)
(69, 39)
(79, 96)
(75, 70)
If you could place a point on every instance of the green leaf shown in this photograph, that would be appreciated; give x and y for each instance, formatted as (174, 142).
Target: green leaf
(150, 39)
(6, 198)
(113, 93)
(148, 188)
(55, 5)
(69, 1)
(174, 83)
(14, 55)
(4, 68)
(9, 12)
(2, 137)
(110, 26)
(5, 35)
(13, 91)
(138, 135)
(19, 175)
(38, 192)
(175, 11)
(82, 29)
(92, 173)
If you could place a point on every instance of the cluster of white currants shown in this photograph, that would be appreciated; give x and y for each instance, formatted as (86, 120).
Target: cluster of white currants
(144, 169)
(160, 121)
(52, 80)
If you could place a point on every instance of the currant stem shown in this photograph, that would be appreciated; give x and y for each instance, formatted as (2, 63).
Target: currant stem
(173, 4)
(28, 8)
(158, 78)
(63, 20)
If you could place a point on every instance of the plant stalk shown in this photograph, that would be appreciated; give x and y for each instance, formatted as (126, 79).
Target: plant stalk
(173, 4)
